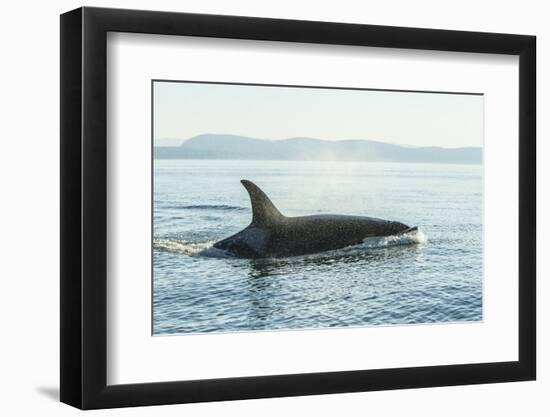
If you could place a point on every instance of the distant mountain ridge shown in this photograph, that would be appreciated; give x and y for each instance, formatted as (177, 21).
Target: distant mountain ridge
(220, 146)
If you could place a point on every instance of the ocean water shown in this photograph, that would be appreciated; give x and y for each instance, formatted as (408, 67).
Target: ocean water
(432, 276)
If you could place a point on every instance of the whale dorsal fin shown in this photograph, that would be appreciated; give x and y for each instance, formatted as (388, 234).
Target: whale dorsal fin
(264, 212)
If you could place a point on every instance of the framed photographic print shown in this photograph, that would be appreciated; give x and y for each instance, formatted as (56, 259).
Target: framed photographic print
(258, 207)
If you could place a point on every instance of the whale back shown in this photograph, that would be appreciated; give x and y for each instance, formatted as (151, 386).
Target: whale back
(271, 234)
(264, 212)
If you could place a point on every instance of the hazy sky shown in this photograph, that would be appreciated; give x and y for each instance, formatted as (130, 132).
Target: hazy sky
(184, 110)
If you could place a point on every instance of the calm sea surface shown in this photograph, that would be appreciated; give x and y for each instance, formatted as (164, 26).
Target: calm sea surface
(432, 276)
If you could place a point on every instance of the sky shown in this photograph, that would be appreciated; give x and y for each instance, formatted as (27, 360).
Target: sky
(184, 109)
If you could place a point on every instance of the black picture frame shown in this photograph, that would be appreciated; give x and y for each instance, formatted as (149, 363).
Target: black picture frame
(84, 207)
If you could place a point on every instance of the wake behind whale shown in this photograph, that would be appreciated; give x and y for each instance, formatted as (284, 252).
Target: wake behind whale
(271, 234)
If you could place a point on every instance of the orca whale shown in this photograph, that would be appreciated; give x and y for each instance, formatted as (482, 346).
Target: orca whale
(271, 234)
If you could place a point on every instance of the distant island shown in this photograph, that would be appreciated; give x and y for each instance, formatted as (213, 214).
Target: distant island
(219, 146)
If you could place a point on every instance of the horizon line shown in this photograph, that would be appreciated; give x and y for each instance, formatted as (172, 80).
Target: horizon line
(407, 145)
